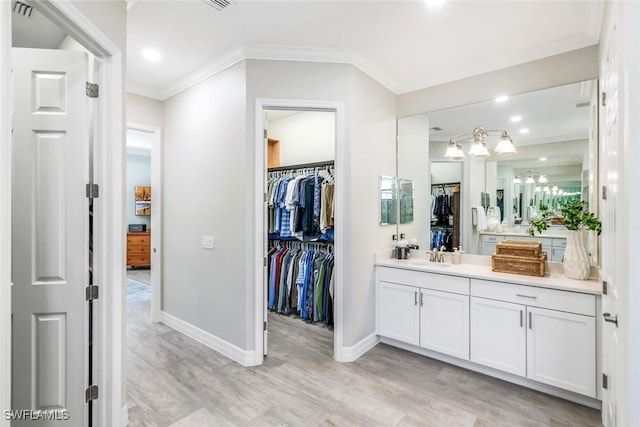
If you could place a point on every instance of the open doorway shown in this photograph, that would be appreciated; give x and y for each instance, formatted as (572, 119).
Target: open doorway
(299, 285)
(143, 213)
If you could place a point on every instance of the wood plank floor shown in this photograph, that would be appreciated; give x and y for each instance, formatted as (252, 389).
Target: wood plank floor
(175, 381)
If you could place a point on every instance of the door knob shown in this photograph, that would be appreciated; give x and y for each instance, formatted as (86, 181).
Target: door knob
(611, 319)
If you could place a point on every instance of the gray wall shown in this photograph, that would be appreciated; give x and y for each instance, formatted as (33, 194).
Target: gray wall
(145, 111)
(206, 185)
(138, 173)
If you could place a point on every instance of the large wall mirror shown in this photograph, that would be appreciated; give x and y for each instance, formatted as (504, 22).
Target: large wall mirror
(554, 132)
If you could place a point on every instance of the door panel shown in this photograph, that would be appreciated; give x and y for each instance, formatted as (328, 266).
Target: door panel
(398, 313)
(50, 233)
(444, 322)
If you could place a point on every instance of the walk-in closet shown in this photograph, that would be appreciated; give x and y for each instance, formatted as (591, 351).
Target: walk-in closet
(300, 199)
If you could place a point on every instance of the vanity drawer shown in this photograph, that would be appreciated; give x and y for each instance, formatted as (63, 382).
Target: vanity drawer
(546, 241)
(488, 238)
(553, 299)
(438, 282)
(559, 243)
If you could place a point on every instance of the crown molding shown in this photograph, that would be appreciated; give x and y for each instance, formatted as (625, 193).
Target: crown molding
(270, 53)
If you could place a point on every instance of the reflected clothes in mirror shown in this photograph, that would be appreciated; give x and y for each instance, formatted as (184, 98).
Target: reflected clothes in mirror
(442, 237)
(445, 216)
(301, 281)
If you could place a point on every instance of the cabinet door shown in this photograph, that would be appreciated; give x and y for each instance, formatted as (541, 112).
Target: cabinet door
(398, 315)
(487, 248)
(557, 254)
(444, 322)
(561, 350)
(498, 335)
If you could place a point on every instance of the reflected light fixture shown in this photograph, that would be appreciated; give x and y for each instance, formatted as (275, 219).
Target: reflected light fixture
(546, 189)
(530, 179)
(478, 144)
(554, 188)
(538, 189)
(542, 179)
(517, 180)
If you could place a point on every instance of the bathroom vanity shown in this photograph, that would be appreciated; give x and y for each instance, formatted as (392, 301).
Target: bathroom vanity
(540, 332)
(553, 242)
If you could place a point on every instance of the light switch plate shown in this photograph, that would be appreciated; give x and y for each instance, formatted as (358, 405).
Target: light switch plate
(207, 242)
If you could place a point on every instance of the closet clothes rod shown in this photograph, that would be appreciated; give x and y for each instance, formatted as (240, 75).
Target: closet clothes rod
(302, 166)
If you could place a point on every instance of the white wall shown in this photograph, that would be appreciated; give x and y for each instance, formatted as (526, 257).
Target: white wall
(206, 187)
(413, 163)
(305, 137)
(570, 67)
(145, 111)
(372, 152)
(446, 172)
(138, 173)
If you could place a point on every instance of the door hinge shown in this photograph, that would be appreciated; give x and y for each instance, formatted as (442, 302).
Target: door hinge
(264, 261)
(265, 197)
(604, 192)
(264, 326)
(91, 393)
(93, 90)
(604, 99)
(605, 381)
(605, 287)
(92, 190)
(91, 292)
(265, 133)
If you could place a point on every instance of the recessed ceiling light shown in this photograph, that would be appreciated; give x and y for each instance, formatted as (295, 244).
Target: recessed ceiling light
(516, 119)
(434, 3)
(502, 98)
(543, 159)
(151, 55)
(524, 130)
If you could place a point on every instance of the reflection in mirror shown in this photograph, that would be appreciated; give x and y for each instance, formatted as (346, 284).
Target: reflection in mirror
(388, 200)
(446, 179)
(554, 132)
(405, 196)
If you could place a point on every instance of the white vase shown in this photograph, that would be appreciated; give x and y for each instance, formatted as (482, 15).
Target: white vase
(576, 261)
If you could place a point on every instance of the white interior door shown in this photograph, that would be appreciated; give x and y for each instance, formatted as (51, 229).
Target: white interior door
(611, 335)
(50, 234)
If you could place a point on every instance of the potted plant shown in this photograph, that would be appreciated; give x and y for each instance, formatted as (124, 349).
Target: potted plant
(578, 221)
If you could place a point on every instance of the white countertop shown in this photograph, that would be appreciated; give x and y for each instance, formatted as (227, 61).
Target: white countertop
(557, 234)
(479, 267)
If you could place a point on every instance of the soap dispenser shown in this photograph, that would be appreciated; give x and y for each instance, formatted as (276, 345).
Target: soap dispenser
(456, 257)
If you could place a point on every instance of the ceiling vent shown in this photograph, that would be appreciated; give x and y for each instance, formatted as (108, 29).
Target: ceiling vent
(219, 5)
(436, 129)
(23, 9)
(582, 104)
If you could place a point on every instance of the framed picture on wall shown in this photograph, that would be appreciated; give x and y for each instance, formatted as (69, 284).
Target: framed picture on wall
(143, 200)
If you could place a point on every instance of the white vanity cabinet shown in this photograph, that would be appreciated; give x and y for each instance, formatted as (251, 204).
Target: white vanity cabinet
(557, 249)
(424, 309)
(546, 335)
(554, 247)
(488, 243)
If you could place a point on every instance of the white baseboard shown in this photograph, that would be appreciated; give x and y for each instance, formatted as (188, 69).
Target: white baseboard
(124, 416)
(351, 354)
(243, 357)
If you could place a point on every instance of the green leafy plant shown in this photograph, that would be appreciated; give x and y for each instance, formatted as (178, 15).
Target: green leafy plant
(576, 217)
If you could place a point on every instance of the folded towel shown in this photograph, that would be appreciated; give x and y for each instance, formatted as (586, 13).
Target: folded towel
(482, 218)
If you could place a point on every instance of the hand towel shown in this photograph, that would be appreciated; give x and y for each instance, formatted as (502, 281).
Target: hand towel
(482, 218)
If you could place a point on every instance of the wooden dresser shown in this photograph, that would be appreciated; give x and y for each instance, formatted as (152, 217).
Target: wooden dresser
(139, 249)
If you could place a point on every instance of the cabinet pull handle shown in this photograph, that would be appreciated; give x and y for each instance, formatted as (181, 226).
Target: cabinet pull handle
(529, 320)
(521, 313)
(526, 296)
(415, 298)
(421, 299)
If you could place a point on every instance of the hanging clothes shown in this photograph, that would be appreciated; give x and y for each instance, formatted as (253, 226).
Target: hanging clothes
(301, 281)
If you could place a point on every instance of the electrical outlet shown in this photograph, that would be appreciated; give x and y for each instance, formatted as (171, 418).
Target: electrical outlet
(207, 242)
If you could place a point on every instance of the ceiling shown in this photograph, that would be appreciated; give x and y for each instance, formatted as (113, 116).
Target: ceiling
(32, 29)
(405, 45)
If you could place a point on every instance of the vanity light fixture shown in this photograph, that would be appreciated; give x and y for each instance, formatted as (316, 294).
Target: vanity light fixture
(478, 145)
(542, 179)
(505, 144)
(517, 180)
(554, 188)
(538, 189)
(546, 189)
